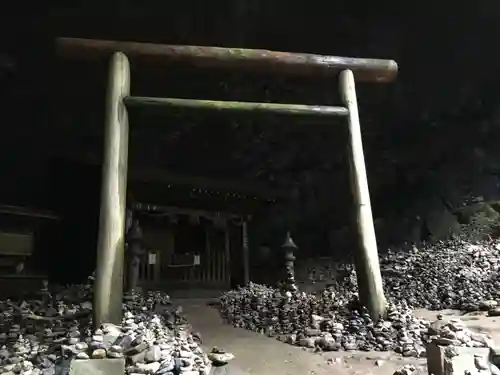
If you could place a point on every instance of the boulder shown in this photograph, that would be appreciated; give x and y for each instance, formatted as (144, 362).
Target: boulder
(442, 224)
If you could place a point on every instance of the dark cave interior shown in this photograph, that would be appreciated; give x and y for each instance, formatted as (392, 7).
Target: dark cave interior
(429, 138)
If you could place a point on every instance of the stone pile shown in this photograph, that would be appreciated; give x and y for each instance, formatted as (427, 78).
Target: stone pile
(332, 322)
(42, 334)
(454, 274)
(406, 370)
(457, 275)
(451, 275)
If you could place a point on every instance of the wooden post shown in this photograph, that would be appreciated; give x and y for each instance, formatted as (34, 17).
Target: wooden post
(108, 291)
(367, 262)
(245, 251)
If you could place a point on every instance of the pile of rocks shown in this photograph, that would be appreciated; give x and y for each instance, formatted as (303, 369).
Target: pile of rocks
(453, 275)
(332, 322)
(44, 333)
(406, 370)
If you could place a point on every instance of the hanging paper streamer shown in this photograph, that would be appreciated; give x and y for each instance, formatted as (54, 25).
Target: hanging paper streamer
(152, 258)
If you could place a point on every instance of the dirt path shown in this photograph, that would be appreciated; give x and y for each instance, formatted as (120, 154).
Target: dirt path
(257, 354)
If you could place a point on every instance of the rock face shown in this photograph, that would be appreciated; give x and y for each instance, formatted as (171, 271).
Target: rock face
(453, 275)
(45, 333)
(419, 143)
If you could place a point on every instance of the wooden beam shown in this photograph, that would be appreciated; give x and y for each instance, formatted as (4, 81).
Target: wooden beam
(305, 64)
(156, 175)
(246, 188)
(367, 263)
(153, 208)
(30, 212)
(108, 288)
(284, 109)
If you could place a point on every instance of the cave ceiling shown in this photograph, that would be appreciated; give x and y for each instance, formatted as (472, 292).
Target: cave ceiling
(56, 107)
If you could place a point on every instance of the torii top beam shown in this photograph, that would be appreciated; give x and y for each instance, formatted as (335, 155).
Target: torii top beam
(302, 64)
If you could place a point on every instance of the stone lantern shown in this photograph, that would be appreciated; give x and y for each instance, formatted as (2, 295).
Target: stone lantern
(289, 249)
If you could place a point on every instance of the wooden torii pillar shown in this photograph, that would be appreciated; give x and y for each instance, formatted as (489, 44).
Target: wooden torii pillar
(109, 280)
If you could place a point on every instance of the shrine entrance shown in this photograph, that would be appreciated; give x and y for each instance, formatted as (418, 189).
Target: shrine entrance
(185, 249)
(110, 258)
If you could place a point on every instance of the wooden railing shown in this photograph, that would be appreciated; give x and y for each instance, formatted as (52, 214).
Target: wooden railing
(213, 269)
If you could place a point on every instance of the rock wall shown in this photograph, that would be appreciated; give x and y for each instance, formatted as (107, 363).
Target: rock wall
(430, 138)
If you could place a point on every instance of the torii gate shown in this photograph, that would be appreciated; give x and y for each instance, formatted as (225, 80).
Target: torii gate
(110, 259)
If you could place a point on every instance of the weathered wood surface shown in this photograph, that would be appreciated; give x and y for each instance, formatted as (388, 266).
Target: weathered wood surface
(287, 109)
(367, 262)
(108, 289)
(304, 64)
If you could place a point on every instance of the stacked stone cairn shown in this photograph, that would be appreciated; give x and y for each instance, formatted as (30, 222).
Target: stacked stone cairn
(43, 333)
(455, 275)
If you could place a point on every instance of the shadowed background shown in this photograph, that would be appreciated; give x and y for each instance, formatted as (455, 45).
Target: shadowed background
(430, 138)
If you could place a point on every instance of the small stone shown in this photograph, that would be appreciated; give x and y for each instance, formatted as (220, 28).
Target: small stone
(350, 346)
(149, 367)
(116, 349)
(81, 346)
(435, 327)
(488, 304)
(99, 354)
(219, 357)
(307, 342)
(136, 349)
(138, 340)
(115, 355)
(494, 312)
(96, 345)
(124, 341)
(136, 358)
(312, 332)
(153, 354)
(82, 355)
(167, 365)
(185, 354)
(27, 366)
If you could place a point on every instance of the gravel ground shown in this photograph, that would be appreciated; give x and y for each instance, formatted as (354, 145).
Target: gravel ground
(257, 354)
